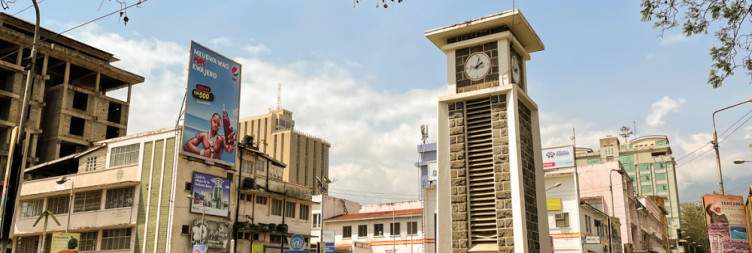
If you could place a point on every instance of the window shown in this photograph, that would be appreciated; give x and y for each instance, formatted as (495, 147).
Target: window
(277, 207)
(58, 204)
(412, 228)
(378, 229)
(116, 239)
(362, 231)
(562, 220)
(27, 244)
(276, 239)
(593, 161)
(646, 189)
(260, 200)
(658, 166)
(88, 241)
(660, 176)
(394, 229)
(32, 208)
(645, 179)
(316, 222)
(661, 188)
(80, 101)
(91, 163)
(124, 156)
(588, 224)
(121, 197)
(598, 227)
(87, 201)
(77, 126)
(290, 209)
(644, 168)
(304, 212)
(346, 232)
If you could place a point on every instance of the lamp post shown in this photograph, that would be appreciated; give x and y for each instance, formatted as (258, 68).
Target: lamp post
(553, 186)
(741, 161)
(70, 200)
(611, 190)
(715, 143)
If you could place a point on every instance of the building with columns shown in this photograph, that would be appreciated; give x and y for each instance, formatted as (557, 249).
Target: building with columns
(490, 185)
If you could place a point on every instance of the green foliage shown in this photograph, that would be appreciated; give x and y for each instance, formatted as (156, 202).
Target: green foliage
(693, 225)
(725, 18)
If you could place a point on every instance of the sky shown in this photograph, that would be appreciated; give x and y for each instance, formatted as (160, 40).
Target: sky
(365, 78)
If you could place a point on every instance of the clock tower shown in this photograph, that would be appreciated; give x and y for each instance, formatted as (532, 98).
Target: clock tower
(490, 190)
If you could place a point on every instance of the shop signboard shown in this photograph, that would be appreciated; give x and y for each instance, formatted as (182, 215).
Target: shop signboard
(558, 157)
(211, 106)
(725, 217)
(65, 242)
(210, 195)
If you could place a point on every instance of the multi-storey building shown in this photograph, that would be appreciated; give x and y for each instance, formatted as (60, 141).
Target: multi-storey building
(380, 228)
(428, 177)
(69, 107)
(326, 207)
(138, 194)
(575, 225)
(490, 187)
(650, 164)
(307, 157)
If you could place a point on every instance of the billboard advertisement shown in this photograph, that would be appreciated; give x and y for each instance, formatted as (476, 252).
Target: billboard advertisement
(559, 157)
(65, 242)
(210, 195)
(211, 108)
(212, 234)
(726, 221)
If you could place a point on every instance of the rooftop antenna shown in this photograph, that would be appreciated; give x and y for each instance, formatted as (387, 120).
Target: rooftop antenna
(279, 96)
(625, 132)
(423, 133)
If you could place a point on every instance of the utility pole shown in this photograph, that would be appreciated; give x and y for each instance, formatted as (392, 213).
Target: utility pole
(14, 169)
(323, 183)
(715, 143)
(46, 214)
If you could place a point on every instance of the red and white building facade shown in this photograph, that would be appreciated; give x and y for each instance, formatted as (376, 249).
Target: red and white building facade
(380, 228)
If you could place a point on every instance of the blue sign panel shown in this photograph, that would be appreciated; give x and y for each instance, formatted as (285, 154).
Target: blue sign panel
(329, 247)
(211, 113)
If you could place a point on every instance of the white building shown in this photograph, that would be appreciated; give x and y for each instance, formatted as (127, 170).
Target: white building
(332, 207)
(428, 167)
(382, 228)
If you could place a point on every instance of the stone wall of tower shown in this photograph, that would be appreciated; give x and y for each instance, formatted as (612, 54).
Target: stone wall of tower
(500, 142)
(458, 175)
(527, 162)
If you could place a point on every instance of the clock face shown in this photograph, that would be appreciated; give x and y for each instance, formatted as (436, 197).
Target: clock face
(516, 71)
(477, 66)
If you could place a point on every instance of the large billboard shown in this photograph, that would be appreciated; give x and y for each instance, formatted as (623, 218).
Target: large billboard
(212, 234)
(210, 195)
(559, 157)
(65, 242)
(726, 221)
(211, 113)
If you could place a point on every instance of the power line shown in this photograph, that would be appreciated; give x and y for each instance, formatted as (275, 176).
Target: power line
(118, 11)
(375, 193)
(27, 7)
(723, 138)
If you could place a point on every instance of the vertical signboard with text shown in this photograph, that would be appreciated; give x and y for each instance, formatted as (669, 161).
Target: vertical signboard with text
(558, 157)
(726, 222)
(211, 113)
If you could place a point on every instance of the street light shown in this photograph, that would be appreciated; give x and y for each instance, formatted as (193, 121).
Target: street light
(741, 161)
(611, 189)
(715, 143)
(62, 181)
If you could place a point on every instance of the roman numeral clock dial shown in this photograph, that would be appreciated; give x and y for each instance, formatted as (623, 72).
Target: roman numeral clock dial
(477, 66)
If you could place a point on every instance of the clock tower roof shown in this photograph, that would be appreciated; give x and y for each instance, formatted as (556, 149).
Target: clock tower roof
(511, 20)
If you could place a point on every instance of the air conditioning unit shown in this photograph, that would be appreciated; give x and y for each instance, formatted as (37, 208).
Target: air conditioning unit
(248, 184)
(282, 228)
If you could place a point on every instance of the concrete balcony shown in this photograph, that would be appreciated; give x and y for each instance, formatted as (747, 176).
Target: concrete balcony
(83, 181)
(103, 218)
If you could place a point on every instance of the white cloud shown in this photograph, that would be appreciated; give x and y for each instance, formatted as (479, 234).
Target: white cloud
(556, 130)
(661, 108)
(673, 39)
(373, 132)
(221, 41)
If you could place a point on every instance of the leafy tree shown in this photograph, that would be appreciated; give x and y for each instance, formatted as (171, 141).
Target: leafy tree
(727, 19)
(693, 225)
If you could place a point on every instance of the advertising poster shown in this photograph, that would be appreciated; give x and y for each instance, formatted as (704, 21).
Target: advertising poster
(65, 242)
(726, 222)
(211, 113)
(211, 195)
(559, 157)
(213, 234)
(257, 247)
(199, 248)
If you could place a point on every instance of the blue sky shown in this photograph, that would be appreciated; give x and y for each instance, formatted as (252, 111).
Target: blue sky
(349, 70)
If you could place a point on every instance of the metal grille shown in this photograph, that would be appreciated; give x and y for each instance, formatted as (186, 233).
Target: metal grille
(481, 193)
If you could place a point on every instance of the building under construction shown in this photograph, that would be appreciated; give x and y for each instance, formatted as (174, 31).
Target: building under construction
(69, 103)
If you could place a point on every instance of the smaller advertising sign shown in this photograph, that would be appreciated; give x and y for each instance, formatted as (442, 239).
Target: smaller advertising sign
(211, 195)
(433, 171)
(559, 157)
(65, 242)
(593, 239)
(553, 204)
(329, 247)
(213, 234)
(199, 248)
(257, 247)
(725, 216)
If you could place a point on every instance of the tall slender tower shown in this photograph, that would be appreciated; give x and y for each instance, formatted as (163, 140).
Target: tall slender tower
(491, 191)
